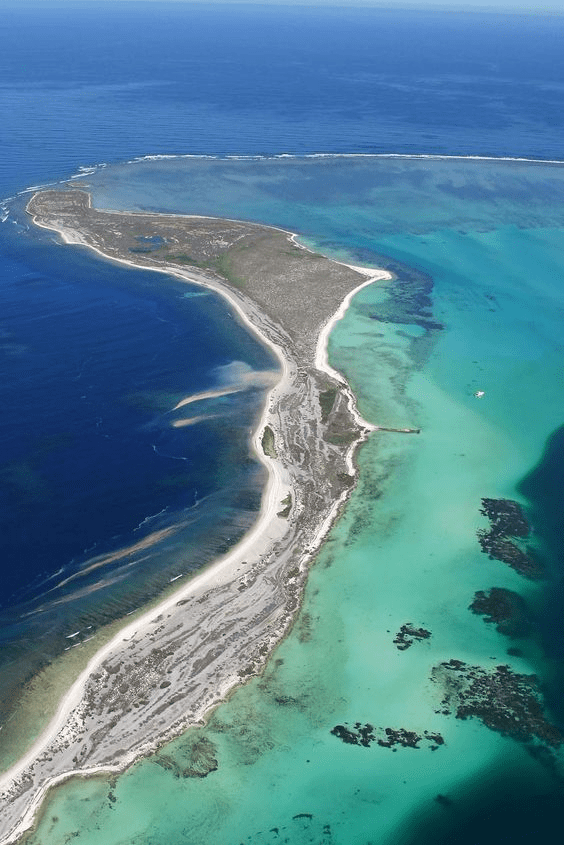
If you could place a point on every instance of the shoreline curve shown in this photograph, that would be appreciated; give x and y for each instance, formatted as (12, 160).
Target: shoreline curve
(266, 533)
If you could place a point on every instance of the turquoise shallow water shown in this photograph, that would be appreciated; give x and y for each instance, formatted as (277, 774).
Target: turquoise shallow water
(476, 305)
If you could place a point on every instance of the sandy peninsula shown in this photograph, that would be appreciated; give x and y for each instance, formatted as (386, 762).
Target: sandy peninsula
(166, 670)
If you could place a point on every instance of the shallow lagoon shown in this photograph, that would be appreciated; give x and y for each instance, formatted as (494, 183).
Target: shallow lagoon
(477, 305)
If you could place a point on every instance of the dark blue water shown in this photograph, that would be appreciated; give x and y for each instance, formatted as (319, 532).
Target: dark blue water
(87, 82)
(93, 356)
(89, 375)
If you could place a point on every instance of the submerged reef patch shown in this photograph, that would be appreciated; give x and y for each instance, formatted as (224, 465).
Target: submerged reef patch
(506, 517)
(507, 523)
(367, 734)
(503, 700)
(407, 635)
(504, 607)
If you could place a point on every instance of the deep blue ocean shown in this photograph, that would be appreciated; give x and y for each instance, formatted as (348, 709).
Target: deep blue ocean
(103, 503)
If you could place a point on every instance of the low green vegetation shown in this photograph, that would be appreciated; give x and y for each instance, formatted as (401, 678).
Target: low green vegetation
(267, 442)
(342, 439)
(183, 258)
(287, 507)
(224, 268)
(326, 401)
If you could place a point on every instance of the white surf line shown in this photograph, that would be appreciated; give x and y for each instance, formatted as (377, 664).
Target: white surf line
(87, 170)
(277, 156)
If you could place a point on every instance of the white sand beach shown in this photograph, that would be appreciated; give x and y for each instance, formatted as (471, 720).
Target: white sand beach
(217, 629)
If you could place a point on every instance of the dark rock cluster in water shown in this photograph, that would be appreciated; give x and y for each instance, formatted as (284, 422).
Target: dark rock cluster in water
(407, 635)
(503, 700)
(504, 607)
(507, 523)
(385, 737)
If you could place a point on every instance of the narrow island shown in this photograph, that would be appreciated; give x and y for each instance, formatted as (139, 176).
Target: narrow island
(167, 669)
